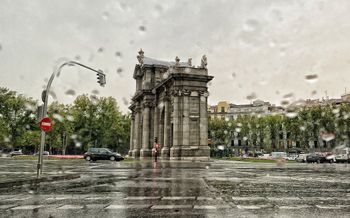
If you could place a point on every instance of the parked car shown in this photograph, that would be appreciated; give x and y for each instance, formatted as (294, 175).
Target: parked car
(302, 158)
(15, 153)
(318, 158)
(94, 154)
(277, 155)
(342, 155)
(45, 153)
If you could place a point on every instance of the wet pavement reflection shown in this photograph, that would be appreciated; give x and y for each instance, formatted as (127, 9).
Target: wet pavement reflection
(176, 189)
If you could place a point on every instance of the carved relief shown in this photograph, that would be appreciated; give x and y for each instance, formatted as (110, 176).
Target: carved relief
(204, 62)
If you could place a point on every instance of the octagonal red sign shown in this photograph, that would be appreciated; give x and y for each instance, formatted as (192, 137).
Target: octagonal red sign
(45, 124)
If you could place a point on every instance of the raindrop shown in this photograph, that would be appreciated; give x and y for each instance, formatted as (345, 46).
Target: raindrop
(58, 117)
(245, 138)
(29, 107)
(284, 102)
(239, 124)
(203, 99)
(237, 129)
(100, 49)
(78, 144)
(233, 75)
(251, 96)
(291, 114)
(120, 71)
(327, 136)
(221, 147)
(125, 101)
(95, 92)
(314, 92)
(142, 29)
(0, 47)
(77, 57)
(70, 118)
(7, 139)
(53, 94)
(166, 75)
(118, 54)
(225, 132)
(302, 128)
(207, 167)
(289, 95)
(311, 78)
(70, 92)
(74, 136)
(105, 15)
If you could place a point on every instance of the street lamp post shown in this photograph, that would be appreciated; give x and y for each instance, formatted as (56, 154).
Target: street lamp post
(101, 80)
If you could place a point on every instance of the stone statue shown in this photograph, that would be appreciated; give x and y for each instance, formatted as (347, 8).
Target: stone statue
(177, 61)
(189, 62)
(140, 56)
(204, 62)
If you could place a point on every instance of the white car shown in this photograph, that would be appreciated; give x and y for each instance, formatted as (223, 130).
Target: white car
(301, 158)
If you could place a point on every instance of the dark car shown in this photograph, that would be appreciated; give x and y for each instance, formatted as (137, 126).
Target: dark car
(316, 158)
(94, 154)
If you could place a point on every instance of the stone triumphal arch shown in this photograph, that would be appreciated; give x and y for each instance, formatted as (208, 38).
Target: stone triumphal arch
(170, 104)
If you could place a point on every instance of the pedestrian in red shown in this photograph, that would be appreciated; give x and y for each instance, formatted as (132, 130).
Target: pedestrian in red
(156, 148)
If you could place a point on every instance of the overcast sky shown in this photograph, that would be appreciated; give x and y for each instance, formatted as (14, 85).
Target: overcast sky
(253, 46)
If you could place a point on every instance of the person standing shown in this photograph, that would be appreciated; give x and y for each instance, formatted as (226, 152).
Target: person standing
(156, 148)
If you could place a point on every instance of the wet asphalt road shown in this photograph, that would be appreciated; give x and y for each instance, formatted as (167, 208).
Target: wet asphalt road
(176, 189)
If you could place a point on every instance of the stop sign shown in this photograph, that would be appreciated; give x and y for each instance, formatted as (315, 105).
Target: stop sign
(45, 124)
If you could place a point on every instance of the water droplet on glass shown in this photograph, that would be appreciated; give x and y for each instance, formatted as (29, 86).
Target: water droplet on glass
(74, 136)
(58, 117)
(302, 128)
(291, 114)
(233, 75)
(31, 192)
(70, 92)
(237, 129)
(284, 102)
(77, 57)
(30, 107)
(105, 15)
(289, 95)
(165, 75)
(327, 136)
(221, 147)
(100, 49)
(120, 71)
(77, 144)
(251, 96)
(142, 29)
(70, 118)
(125, 101)
(203, 99)
(245, 138)
(53, 94)
(311, 78)
(0, 47)
(94, 99)
(95, 92)
(314, 92)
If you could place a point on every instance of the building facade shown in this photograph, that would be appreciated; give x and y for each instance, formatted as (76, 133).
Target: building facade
(170, 107)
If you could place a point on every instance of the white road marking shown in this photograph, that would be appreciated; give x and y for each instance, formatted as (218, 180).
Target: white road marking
(74, 207)
(178, 198)
(167, 207)
(141, 198)
(27, 207)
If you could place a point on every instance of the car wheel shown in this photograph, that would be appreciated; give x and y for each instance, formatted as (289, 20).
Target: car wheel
(88, 158)
(318, 161)
(112, 158)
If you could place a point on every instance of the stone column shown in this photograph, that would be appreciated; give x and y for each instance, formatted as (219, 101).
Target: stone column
(186, 120)
(204, 150)
(165, 149)
(136, 151)
(132, 138)
(145, 152)
(156, 123)
(176, 149)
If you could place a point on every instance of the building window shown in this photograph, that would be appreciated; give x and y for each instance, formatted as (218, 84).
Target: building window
(222, 109)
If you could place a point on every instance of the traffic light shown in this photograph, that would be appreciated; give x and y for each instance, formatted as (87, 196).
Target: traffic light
(101, 78)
